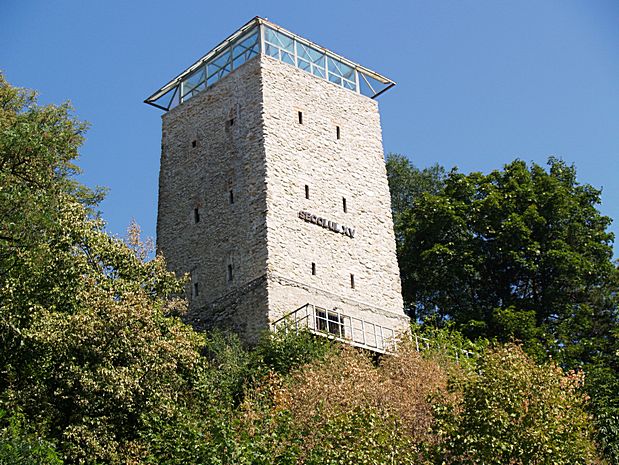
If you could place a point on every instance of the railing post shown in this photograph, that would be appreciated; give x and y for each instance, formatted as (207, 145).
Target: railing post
(363, 331)
(352, 329)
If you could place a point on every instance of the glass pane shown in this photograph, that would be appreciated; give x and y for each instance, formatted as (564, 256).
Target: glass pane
(222, 62)
(310, 54)
(245, 50)
(369, 86)
(349, 84)
(304, 65)
(334, 78)
(287, 58)
(317, 71)
(247, 46)
(340, 69)
(169, 99)
(176, 98)
(279, 39)
(271, 51)
(212, 80)
(194, 81)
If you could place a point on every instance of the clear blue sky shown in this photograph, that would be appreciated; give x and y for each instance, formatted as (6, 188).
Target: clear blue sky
(480, 82)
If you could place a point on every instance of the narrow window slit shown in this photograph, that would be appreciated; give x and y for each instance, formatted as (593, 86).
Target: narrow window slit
(344, 207)
(300, 117)
(196, 215)
(231, 196)
(194, 143)
(230, 273)
(352, 281)
(196, 289)
(313, 269)
(337, 132)
(306, 191)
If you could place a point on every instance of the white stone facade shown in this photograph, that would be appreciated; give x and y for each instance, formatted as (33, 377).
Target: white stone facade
(246, 153)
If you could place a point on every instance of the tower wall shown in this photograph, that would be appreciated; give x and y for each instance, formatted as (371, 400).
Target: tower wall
(308, 153)
(225, 125)
(243, 135)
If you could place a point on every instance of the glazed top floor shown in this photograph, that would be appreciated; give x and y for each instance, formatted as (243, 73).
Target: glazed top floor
(260, 36)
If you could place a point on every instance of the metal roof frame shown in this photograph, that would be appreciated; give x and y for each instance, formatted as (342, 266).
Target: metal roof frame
(257, 21)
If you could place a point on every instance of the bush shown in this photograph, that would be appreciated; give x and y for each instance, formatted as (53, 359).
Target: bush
(19, 445)
(513, 411)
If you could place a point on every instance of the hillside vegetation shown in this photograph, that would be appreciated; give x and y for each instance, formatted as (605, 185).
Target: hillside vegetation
(97, 366)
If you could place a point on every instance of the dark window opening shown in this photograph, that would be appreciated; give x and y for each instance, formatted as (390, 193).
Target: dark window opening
(196, 215)
(231, 196)
(344, 205)
(230, 276)
(231, 122)
(194, 143)
(300, 117)
(352, 281)
(196, 289)
(329, 322)
(313, 269)
(337, 132)
(306, 191)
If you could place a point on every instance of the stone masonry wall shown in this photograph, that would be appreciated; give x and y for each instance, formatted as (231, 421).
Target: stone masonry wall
(243, 135)
(225, 125)
(352, 167)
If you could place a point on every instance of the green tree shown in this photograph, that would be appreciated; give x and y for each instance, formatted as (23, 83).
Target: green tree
(90, 344)
(519, 253)
(19, 445)
(522, 253)
(408, 183)
(513, 411)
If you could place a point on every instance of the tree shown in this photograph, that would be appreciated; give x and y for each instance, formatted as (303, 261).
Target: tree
(407, 183)
(520, 253)
(513, 411)
(91, 343)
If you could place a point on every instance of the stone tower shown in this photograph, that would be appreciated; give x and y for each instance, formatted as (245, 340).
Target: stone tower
(273, 194)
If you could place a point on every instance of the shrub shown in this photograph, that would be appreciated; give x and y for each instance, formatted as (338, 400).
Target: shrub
(513, 411)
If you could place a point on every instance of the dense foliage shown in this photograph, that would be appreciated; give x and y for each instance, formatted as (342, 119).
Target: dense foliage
(518, 254)
(96, 365)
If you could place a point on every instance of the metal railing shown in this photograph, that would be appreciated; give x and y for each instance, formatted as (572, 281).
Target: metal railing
(358, 332)
(339, 326)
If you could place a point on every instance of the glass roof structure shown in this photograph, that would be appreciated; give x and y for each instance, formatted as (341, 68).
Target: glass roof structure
(260, 36)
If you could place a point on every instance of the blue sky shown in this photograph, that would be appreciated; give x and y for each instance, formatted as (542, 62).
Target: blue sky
(480, 82)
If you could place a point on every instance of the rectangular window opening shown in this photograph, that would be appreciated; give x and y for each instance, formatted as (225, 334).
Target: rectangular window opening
(230, 276)
(352, 281)
(231, 122)
(231, 196)
(196, 215)
(313, 269)
(306, 191)
(337, 132)
(329, 322)
(194, 143)
(300, 117)
(196, 289)
(344, 207)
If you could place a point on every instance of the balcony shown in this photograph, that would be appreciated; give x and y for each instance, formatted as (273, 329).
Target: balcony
(339, 326)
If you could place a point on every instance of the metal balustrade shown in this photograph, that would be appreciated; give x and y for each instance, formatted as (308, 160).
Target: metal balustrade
(357, 331)
(340, 327)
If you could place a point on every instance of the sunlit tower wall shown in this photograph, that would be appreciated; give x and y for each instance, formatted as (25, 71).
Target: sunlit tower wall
(273, 193)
